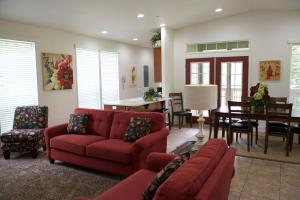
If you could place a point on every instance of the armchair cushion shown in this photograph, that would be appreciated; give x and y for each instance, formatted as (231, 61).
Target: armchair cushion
(31, 117)
(137, 128)
(22, 135)
(113, 149)
(78, 123)
(74, 143)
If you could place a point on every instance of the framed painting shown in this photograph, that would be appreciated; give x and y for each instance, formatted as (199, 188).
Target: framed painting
(57, 71)
(269, 70)
(133, 76)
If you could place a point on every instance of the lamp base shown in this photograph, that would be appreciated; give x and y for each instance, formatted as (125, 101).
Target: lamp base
(200, 136)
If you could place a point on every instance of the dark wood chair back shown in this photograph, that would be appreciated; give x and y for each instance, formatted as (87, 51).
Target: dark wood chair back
(279, 99)
(240, 110)
(245, 99)
(176, 101)
(278, 112)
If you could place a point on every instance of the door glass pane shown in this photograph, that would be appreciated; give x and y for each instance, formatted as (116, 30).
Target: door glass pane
(231, 82)
(295, 78)
(200, 72)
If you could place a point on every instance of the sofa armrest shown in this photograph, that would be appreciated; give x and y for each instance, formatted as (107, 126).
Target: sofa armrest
(156, 161)
(82, 198)
(154, 142)
(53, 131)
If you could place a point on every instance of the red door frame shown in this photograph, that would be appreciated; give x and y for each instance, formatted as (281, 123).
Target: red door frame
(211, 70)
(245, 60)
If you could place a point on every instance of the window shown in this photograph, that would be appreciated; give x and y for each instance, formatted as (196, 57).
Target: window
(109, 76)
(18, 82)
(218, 46)
(200, 72)
(88, 78)
(295, 77)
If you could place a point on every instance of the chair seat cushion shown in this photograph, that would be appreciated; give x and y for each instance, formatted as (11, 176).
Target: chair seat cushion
(252, 122)
(74, 143)
(278, 129)
(183, 113)
(222, 122)
(296, 129)
(113, 149)
(277, 124)
(132, 187)
(22, 135)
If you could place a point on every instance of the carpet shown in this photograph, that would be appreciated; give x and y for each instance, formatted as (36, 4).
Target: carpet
(24, 178)
(276, 150)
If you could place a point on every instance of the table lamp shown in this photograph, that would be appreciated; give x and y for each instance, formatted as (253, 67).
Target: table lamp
(200, 97)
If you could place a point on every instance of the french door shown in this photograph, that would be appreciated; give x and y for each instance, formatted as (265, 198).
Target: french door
(231, 75)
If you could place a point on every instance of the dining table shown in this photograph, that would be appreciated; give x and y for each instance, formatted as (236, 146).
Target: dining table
(223, 112)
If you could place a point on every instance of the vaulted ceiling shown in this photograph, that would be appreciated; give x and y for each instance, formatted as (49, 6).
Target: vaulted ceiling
(119, 17)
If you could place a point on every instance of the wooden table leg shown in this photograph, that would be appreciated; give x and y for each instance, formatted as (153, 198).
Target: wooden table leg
(216, 126)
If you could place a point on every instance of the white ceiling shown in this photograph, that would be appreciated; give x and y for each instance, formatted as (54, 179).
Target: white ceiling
(118, 17)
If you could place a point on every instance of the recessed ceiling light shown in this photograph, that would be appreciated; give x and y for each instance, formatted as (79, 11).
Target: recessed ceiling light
(162, 25)
(104, 32)
(135, 39)
(219, 10)
(140, 15)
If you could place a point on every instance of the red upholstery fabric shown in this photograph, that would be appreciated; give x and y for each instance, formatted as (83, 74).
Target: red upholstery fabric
(131, 188)
(112, 149)
(156, 161)
(93, 163)
(99, 121)
(122, 119)
(217, 185)
(193, 173)
(52, 132)
(74, 143)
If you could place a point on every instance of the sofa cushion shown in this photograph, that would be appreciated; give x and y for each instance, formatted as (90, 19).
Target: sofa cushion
(112, 149)
(122, 118)
(163, 174)
(193, 173)
(78, 123)
(137, 128)
(130, 188)
(99, 122)
(74, 143)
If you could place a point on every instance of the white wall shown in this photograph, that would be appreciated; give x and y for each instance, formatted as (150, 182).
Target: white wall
(267, 31)
(62, 103)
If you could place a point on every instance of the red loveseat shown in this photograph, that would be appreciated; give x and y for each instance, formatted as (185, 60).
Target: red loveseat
(206, 176)
(102, 147)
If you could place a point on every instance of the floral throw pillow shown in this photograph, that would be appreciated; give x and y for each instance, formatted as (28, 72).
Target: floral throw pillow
(137, 128)
(164, 174)
(77, 123)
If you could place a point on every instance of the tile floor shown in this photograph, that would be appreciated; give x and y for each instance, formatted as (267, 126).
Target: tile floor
(254, 179)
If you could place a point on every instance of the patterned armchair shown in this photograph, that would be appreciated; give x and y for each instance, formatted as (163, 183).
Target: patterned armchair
(27, 134)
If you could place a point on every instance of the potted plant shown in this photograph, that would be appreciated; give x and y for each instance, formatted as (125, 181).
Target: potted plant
(151, 94)
(259, 96)
(155, 39)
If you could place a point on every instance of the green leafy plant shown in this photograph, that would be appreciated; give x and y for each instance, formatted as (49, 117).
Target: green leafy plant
(156, 37)
(151, 94)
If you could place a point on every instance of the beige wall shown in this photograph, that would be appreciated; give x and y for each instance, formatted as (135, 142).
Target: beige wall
(62, 103)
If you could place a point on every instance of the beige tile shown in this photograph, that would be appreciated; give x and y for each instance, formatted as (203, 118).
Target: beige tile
(266, 162)
(263, 179)
(260, 169)
(266, 191)
(253, 197)
(288, 192)
(238, 182)
(234, 195)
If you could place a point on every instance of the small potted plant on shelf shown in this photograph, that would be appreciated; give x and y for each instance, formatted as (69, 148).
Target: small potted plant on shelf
(151, 95)
(259, 96)
(155, 39)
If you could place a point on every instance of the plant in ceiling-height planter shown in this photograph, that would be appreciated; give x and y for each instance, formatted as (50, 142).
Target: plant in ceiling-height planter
(155, 39)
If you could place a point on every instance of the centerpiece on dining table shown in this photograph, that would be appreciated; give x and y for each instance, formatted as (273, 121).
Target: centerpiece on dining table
(259, 96)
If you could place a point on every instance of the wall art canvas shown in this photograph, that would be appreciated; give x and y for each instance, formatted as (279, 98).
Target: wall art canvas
(269, 70)
(57, 71)
(133, 76)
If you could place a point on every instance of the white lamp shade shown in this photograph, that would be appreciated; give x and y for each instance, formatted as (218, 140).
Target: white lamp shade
(201, 97)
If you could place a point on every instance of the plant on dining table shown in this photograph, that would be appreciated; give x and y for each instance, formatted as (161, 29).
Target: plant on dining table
(259, 94)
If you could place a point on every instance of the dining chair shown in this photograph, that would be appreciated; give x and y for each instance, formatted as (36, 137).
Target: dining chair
(177, 109)
(254, 123)
(278, 113)
(223, 123)
(242, 111)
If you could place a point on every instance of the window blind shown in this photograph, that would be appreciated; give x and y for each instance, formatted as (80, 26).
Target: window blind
(295, 77)
(109, 76)
(18, 78)
(88, 78)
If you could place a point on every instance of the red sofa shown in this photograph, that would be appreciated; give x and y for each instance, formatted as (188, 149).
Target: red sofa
(206, 176)
(103, 147)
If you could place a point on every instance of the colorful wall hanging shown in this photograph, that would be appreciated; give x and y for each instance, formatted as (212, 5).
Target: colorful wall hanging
(269, 70)
(57, 71)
